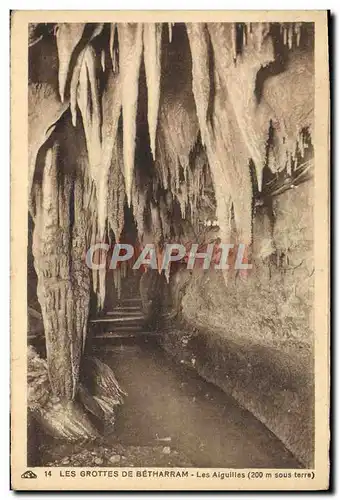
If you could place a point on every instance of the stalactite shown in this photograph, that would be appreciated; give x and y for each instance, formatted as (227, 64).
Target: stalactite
(102, 288)
(162, 161)
(170, 26)
(116, 190)
(113, 49)
(111, 109)
(138, 206)
(165, 219)
(157, 229)
(216, 148)
(244, 35)
(74, 86)
(239, 134)
(178, 131)
(152, 40)
(76, 73)
(89, 105)
(93, 240)
(68, 36)
(290, 97)
(196, 185)
(291, 34)
(233, 41)
(130, 46)
(44, 110)
(298, 33)
(100, 125)
(198, 39)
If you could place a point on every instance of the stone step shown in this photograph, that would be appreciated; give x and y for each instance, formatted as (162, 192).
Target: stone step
(100, 328)
(122, 340)
(123, 335)
(128, 308)
(123, 313)
(119, 319)
(130, 300)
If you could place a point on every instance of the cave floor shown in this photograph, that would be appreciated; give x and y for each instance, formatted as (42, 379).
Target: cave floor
(171, 417)
(170, 403)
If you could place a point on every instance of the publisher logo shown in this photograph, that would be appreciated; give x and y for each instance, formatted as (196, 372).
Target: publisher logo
(29, 475)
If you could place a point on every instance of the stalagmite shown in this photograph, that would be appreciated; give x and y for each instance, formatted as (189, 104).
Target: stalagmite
(130, 47)
(152, 40)
(68, 36)
(52, 270)
(60, 204)
(56, 251)
(80, 273)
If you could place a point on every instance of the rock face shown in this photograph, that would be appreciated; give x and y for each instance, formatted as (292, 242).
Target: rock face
(254, 338)
(98, 394)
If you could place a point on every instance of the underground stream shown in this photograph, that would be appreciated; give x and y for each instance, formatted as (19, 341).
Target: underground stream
(169, 402)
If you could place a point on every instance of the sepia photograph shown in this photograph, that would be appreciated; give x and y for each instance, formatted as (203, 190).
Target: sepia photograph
(171, 220)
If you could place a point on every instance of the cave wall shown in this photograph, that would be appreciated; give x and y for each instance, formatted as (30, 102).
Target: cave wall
(254, 336)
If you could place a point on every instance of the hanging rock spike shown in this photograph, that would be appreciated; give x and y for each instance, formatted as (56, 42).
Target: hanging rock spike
(198, 40)
(76, 74)
(112, 47)
(111, 109)
(68, 35)
(102, 60)
(130, 46)
(152, 40)
(89, 105)
(170, 25)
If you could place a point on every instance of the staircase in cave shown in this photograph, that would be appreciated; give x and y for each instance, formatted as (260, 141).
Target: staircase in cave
(124, 324)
